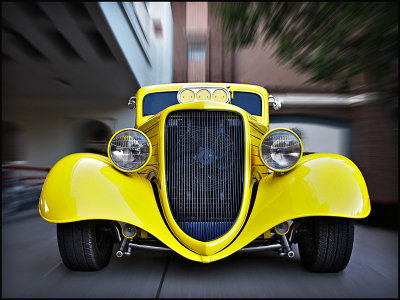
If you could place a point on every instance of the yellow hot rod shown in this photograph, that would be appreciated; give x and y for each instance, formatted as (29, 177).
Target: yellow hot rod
(202, 174)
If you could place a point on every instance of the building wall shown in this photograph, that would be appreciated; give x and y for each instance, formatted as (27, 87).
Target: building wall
(180, 45)
(318, 134)
(51, 132)
(220, 67)
(368, 130)
(149, 56)
(140, 34)
(376, 145)
(197, 40)
(256, 65)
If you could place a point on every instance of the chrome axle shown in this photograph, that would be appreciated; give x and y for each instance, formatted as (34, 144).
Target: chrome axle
(282, 245)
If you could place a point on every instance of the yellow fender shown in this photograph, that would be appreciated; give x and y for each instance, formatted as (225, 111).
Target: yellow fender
(321, 184)
(86, 186)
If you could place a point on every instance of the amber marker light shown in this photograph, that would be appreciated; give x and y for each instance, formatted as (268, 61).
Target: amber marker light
(203, 95)
(187, 96)
(220, 96)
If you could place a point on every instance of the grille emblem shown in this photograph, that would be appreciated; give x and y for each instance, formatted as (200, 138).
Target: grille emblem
(206, 156)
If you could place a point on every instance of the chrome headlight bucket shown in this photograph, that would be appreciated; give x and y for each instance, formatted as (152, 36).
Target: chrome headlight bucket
(129, 150)
(281, 149)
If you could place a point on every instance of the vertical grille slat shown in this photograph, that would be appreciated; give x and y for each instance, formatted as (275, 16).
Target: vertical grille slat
(204, 165)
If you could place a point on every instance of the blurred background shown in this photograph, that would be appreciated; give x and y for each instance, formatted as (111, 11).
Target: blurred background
(69, 68)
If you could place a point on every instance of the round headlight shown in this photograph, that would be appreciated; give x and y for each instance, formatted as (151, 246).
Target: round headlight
(129, 150)
(281, 149)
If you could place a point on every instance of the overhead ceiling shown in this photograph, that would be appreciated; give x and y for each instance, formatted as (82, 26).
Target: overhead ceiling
(58, 52)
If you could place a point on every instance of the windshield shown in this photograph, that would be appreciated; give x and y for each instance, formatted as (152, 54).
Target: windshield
(155, 102)
(250, 102)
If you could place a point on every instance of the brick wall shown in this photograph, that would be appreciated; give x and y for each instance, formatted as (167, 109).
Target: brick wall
(377, 152)
(180, 45)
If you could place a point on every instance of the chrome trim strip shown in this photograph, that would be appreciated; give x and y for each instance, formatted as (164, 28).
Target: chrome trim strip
(146, 247)
(246, 249)
(259, 248)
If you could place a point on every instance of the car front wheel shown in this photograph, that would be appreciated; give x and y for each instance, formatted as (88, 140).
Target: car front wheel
(325, 243)
(85, 245)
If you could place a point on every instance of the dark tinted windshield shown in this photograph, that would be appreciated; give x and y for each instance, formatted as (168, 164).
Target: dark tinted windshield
(155, 102)
(250, 102)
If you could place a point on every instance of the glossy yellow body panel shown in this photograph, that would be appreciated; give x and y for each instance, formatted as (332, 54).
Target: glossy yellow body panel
(140, 119)
(308, 190)
(87, 186)
(320, 185)
(205, 248)
(257, 131)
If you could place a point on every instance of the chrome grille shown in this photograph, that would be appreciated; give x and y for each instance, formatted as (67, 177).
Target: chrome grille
(204, 162)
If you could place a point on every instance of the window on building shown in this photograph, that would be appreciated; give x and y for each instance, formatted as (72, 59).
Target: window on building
(158, 30)
(196, 51)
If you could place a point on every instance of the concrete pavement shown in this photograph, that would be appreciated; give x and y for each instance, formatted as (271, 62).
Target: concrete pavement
(32, 267)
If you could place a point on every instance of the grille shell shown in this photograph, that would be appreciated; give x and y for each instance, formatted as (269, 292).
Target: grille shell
(204, 165)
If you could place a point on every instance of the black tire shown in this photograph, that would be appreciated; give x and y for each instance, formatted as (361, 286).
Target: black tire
(85, 245)
(326, 243)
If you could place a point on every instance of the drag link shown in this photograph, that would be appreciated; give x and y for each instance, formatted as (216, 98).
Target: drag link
(288, 250)
(121, 252)
(129, 252)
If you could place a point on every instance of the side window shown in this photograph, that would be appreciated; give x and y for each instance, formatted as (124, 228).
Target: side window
(155, 102)
(250, 102)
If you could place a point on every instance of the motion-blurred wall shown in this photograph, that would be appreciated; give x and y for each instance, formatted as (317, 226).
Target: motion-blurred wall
(68, 70)
(66, 63)
(354, 124)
